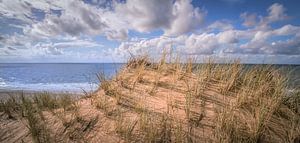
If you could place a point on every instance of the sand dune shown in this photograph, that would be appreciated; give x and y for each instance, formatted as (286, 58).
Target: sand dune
(160, 102)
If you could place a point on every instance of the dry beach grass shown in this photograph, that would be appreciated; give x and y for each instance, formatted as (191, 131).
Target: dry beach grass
(164, 101)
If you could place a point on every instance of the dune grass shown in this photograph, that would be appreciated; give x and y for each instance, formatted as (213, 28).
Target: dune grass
(171, 101)
(246, 110)
(20, 106)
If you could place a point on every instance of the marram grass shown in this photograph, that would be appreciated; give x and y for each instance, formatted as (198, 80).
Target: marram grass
(168, 101)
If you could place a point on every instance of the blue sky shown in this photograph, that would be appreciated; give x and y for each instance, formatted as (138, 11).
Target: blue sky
(254, 31)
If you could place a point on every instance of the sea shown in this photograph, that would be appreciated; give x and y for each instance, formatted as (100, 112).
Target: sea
(74, 77)
(54, 77)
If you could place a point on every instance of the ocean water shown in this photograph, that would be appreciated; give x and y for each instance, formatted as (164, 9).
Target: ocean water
(54, 77)
(76, 77)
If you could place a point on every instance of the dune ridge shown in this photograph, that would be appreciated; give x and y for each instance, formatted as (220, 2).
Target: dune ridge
(164, 101)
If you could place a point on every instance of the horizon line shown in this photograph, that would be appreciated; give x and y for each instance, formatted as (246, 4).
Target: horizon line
(126, 62)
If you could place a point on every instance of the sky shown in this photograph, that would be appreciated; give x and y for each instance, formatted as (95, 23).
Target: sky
(102, 31)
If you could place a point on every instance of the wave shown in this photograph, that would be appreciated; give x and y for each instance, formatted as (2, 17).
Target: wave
(2, 83)
(51, 87)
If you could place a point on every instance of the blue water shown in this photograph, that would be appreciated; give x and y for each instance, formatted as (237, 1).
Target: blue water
(53, 77)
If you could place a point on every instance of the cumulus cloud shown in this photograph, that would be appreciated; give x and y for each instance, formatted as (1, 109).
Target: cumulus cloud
(262, 43)
(225, 42)
(230, 36)
(71, 17)
(174, 18)
(76, 18)
(19, 10)
(145, 15)
(201, 44)
(276, 12)
(23, 9)
(287, 30)
(14, 40)
(288, 47)
(220, 25)
(46, 50)
(43, 48)
(153, 46)
(120, 35)
(194, 44)
(67, 24)
(187, 18)
(249, 19)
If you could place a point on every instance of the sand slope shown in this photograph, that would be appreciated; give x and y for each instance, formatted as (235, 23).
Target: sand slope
(161, 103)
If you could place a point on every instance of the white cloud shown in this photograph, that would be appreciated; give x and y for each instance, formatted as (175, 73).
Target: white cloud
(287, 30)
(174, 18)
(288, 47)
(194, 44)
(77, 18)
(45, 50)
(229, 36)
(22, 9)
(261, 42)
(146, 15)
(120, 35)
(18, 45)
(249, 19)
(201, 44)
(75, 44)
(276, 13)
(14, 40)
(220, 25)
(226, 42)
(187, 18)
(178, 19)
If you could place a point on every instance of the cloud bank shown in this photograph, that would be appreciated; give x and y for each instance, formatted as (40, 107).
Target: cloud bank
(48, 27)
(258, 39)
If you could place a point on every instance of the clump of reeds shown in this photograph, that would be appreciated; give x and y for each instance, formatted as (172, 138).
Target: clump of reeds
(125, 127)
(31, 108)
(259, 95)
(35, 121)
(10, 107)
(136, 61)
(106, 85)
